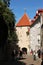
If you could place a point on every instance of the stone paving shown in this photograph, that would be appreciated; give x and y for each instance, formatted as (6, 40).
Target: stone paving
(29, 60)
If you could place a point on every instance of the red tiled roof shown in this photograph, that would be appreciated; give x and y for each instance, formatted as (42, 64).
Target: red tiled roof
(24, 21)
(40, 11)
(37, 14)
(32, 21)
(35, 17)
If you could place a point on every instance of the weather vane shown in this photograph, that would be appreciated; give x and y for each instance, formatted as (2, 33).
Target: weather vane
(25, 10)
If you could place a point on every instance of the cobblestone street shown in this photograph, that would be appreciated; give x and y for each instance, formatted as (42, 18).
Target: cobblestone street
(29, 60)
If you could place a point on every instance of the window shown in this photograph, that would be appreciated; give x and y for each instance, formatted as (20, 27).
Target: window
(27, 32)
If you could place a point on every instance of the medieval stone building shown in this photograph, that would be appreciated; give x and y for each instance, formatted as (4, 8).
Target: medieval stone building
(29, 31)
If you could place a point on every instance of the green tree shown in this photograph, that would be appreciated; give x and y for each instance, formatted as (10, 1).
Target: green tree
(9, 18)
(7, 2)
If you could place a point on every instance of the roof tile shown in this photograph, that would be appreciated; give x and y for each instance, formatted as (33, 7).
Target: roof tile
(24, 21)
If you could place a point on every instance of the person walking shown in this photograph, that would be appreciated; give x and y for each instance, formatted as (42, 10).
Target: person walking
(39, 53)
(21, 54)
(34, 55)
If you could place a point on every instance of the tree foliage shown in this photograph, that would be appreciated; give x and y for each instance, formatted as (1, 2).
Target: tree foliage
(9, 18)
(7, 2)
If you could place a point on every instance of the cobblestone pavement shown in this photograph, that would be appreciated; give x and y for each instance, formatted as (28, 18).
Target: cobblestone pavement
(29, 60)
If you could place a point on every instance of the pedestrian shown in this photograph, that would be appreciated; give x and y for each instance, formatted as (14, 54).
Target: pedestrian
(21, 54)
(31, 52)
(39, 53)
(34, 55)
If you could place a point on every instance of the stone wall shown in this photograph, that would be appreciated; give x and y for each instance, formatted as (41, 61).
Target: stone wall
(23, 37)
(35, 35)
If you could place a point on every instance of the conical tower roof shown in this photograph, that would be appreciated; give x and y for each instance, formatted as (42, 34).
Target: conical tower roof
(24, 21)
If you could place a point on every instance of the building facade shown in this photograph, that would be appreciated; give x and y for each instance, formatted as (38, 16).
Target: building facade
(23, 28)
(29, 31)
(35, 38)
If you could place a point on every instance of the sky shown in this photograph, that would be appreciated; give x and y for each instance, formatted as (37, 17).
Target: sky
(18, 7)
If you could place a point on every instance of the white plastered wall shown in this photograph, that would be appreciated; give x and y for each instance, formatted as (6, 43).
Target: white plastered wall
(23, 37)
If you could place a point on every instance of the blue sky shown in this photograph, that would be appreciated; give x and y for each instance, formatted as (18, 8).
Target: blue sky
(31, 7)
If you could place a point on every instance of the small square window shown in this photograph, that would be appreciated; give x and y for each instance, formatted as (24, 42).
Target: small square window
(27, 33)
